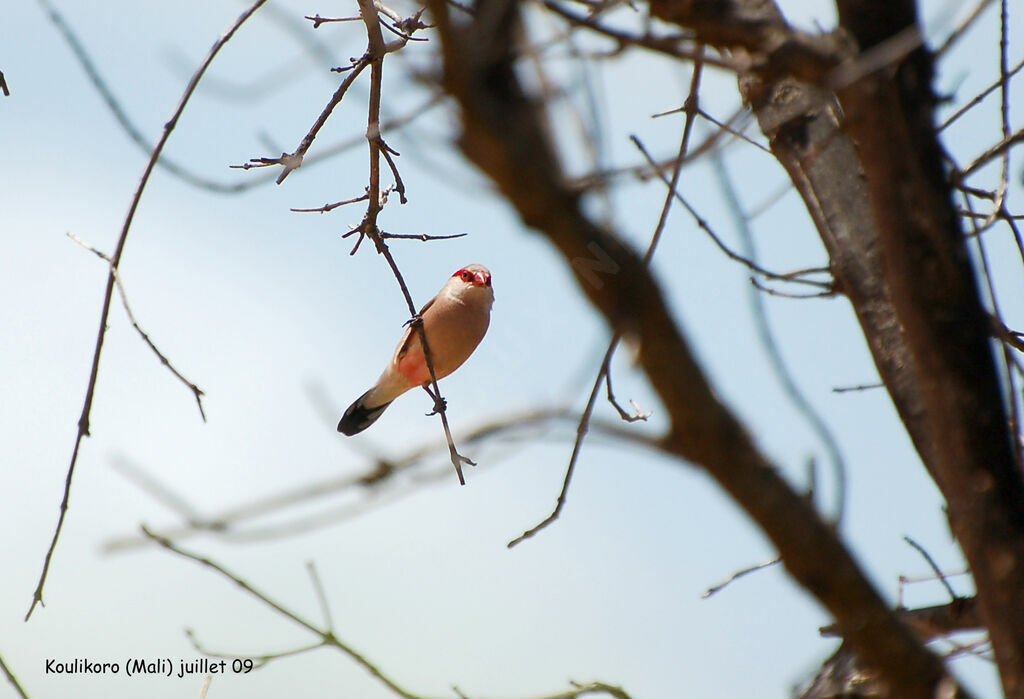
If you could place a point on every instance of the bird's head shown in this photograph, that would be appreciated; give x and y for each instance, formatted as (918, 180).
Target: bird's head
(472, 281)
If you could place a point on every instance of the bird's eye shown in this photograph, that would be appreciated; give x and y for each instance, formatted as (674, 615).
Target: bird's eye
(466, 275)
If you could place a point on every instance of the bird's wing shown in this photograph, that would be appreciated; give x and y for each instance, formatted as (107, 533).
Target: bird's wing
(411, 332)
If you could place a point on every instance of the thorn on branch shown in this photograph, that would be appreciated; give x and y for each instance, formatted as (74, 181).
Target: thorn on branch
(290, 161)
(317, 20)
(422, 236)
(397, 31)
(331, 207)
(787, 295)
(399, 187)
(739, 574)
(412, 23)
(637, 413)
(859, 387)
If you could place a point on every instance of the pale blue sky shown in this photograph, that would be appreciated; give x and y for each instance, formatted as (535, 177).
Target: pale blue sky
(265, 310)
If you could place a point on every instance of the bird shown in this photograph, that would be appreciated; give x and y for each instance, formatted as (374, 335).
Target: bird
(454, 321)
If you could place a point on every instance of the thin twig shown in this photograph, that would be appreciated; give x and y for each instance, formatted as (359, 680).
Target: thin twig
(704, 226)
(667, 45)
(581, 431)
(739, 574)
(114, 105)
(258, 659)
(995, 151)
(637, 413)
(3, 85)
(321, 596)
(859, 387)
(771, 348)
(115, 260)
(399, 185)
(996, 317)
(825, 293)
(424, 237)
(331, 207)
(959, 32)
(374, 57)
(292, 161)
(7, 671)
(317, 20)
(979, 97)
(583, 426)
(326, 637)
(953, 596)
(207, 681)
(196, 391)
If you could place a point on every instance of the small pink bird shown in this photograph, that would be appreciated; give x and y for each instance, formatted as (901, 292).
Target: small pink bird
(454, 321)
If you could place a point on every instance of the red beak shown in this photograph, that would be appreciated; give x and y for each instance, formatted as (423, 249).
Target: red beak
(481, 279)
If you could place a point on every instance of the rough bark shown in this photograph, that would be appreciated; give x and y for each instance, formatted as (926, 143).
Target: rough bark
(872, 177)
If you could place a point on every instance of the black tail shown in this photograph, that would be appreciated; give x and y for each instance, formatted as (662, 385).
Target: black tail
(358, 416)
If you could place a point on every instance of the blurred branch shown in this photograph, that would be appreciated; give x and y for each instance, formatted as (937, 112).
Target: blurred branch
(669, 45)
(118, 111)
(3, 85)
(326, 636)
(383, 473)
(783, 375)
(115, 261)
(960, 614)
(962, 28)
(12, 679)
(795, 277)
(996, 151)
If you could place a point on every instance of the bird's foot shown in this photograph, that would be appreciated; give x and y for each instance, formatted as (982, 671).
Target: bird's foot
(440, 405)
(415, 321)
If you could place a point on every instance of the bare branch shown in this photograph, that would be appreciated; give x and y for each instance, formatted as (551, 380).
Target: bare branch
(739, 574)
(934, 566)
(115, 261)
(3, 665)
(380, 472)
(196, 391)
(603, 372)
(122, 118)
(317, 20)
(766, 336)
(326, 637)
